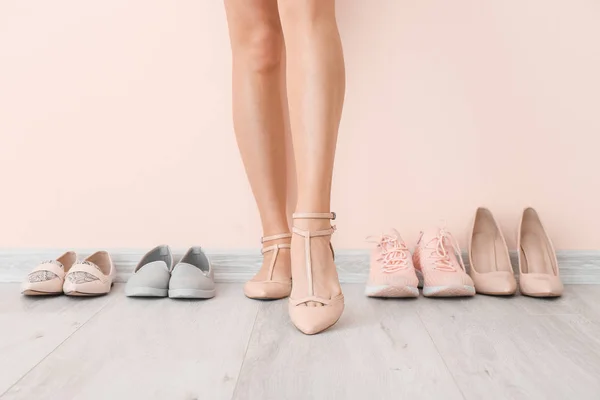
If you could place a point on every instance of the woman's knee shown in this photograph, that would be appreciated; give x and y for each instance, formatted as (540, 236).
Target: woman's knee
(256, 36)
(263, 48)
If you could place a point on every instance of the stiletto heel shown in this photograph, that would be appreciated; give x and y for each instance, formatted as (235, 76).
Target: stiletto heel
(307, 319)
(270, 289)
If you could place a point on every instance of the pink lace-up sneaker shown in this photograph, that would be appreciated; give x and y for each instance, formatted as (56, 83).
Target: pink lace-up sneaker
(443, 273)
(392, 272)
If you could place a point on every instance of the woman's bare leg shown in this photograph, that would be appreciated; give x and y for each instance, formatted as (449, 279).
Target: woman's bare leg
(257, 51)
(316, 86)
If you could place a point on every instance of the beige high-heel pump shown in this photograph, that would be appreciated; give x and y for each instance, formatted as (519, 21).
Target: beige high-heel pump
(314, 319)
(538, 267)
(270, 289)
(491, 269)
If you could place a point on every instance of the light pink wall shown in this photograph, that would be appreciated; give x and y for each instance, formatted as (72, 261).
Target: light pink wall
(115, 124)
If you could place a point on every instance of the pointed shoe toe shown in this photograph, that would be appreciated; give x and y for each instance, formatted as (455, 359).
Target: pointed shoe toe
(540, 285)
(313, 320)
(49, 287)
(499, 283)
(267, 290)
(71, 288)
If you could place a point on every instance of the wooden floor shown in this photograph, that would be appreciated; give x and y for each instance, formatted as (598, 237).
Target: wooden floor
(231, 347)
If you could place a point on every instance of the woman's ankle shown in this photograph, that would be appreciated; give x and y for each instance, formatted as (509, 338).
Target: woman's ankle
(275, 228)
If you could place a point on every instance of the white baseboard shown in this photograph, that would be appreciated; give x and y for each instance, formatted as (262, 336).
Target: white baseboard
(576, 266)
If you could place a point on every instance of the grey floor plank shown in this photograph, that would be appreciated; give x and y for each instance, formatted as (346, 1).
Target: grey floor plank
(378, 350)
(150, 349)
(515, 348)
(577, 299)
(588, 301)
(32, 327)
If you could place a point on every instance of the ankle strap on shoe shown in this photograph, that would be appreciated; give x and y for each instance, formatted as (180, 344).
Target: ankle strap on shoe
(275, 237)
(329, 215)
(276, 247)
(311, 234)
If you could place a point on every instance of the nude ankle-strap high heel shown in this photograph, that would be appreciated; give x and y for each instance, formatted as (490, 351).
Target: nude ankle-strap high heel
(311, 319)
(270, 289)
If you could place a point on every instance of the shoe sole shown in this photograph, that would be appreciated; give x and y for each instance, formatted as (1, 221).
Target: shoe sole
(30, 292)
(146, 292)
(87, 294)
(191, 293)
(392, 291)
(541, 295)
(445, 291)
(266, 297)
(82, 294)
(449, 291)
(500, 294)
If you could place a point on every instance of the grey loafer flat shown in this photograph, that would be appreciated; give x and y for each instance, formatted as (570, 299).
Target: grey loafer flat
(152, 274)
(192, 277)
